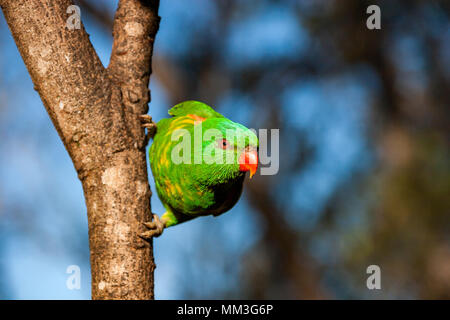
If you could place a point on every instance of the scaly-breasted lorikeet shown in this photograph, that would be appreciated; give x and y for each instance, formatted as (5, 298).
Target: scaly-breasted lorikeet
(199, 159)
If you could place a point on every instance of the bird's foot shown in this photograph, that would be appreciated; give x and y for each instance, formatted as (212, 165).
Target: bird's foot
(148, 123)
(156, 228)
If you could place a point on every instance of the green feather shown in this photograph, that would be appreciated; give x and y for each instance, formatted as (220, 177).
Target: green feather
(194, 107)
(188, 190)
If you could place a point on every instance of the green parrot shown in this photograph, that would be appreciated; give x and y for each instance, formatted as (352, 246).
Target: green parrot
(199, 160)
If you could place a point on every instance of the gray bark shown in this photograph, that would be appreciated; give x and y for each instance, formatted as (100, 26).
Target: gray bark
(95, 111)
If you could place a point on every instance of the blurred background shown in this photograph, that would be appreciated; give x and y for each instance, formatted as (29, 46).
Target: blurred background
(364, 153)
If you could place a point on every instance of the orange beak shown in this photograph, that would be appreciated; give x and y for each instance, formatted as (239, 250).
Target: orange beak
(248, 161)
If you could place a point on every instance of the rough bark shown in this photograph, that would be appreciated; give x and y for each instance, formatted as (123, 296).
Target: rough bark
(95, 111)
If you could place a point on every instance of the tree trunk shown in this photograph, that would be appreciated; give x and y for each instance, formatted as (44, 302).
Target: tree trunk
(95, 111)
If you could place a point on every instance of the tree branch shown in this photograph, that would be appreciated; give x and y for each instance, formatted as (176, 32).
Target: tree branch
(95, 112)
(134, 31)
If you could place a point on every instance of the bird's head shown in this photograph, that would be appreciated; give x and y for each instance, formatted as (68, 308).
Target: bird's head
(229, 149)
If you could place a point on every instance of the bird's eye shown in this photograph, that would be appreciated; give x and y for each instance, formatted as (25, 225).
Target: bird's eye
(223, 144)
